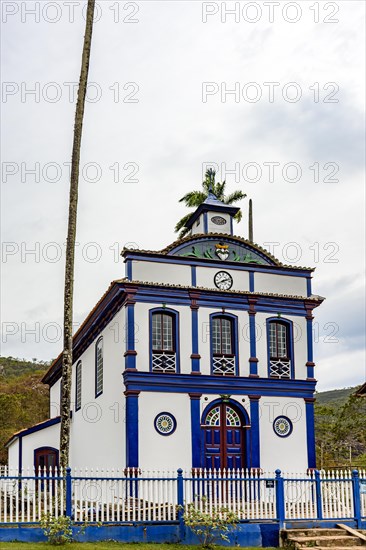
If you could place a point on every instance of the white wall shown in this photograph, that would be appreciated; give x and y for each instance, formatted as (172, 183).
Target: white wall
(280, 284)
(98, 428)
(13, 451)
(159, 452)
(158, 272)
(205, 277)
(55, 395)
(286, 453)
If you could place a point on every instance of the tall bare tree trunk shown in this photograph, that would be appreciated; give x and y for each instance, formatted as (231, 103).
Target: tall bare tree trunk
(250, 220)
(70, 247)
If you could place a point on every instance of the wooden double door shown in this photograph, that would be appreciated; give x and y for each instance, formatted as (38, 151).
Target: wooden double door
(224, 441)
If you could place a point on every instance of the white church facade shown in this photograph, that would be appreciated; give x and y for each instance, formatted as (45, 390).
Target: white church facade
(200, 357)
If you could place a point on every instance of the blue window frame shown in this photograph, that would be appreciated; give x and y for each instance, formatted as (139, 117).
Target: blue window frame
(224, 344)
(164, 340)
(78, 370)
(280, 348)
(99, 367)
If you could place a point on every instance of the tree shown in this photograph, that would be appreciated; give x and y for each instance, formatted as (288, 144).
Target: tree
(195, 198)
(70, 245)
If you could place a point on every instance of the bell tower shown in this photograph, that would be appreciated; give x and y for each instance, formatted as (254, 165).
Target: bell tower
(212, 216)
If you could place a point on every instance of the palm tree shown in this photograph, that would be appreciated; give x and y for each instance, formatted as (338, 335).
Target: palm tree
(67, 359)
(195, 198)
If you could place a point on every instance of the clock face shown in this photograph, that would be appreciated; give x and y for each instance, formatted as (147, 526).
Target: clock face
(223, 280)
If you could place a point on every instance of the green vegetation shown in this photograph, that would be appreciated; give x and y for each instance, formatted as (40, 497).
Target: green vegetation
(210, 524)
(340, 420)
(24, 399)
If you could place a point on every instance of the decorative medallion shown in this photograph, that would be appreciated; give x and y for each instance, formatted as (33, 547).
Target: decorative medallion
(282, 426)
(222, 251)
(218, 220)
(223, 280)
(165, 423)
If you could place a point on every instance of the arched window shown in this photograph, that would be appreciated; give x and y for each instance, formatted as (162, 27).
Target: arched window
(223, 344)
(164, 340)
(99, 367)
(78, 386)
(279, 348)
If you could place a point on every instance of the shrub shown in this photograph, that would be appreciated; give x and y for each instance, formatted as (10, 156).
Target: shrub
(209, 524)
(57, 530)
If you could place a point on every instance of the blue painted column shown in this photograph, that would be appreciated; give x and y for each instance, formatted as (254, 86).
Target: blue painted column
(196, 429)
(356, 498)
(130, 353)
(310, 431)
(195, 356)
(309, 335)
(251, 281)
(253, 361)
(254, 431)
(132, 428)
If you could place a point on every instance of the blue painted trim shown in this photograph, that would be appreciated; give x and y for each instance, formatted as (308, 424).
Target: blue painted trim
(205, 222)
(251, 281)
(78, 374)
(132, 431)
(193, 275)
(262, 268)
(309, 337)
(290, 332)
(195, 362)
(235, 337)
(356, 497)
(130, 358)
(280, 498)
(254, 432)
(208, 384)
(196, 432)
(253, 366)
(20, 454)
(245, 417)
(100, 339)
(129, 270)
(308, 286)
(173, 419)
(310, 433)
(36, 428)
(175, 315)
(68, 490)
(290, 424)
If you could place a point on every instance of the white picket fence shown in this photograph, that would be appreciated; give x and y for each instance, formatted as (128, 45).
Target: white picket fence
(133, 495)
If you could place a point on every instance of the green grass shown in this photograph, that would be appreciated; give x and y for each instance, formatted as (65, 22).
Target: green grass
(104, 546)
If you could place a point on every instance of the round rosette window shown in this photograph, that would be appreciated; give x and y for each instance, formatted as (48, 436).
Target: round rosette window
(165, 423)
(282, 426)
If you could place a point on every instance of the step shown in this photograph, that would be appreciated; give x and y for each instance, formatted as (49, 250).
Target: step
(317, 531)
(343, 541)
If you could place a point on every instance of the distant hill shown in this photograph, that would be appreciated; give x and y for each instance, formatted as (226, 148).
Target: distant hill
(24, 400)
(335, 397)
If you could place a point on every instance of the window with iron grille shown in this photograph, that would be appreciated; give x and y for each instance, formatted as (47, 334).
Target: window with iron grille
(78, 386)
(222, 339)
(163, 342)
(279, 349)
(99, 367)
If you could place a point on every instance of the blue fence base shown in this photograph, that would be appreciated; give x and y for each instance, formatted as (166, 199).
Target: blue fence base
(247, 534)
(260, 535)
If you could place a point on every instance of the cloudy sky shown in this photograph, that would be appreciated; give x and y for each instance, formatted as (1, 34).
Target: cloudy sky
(270, 92)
